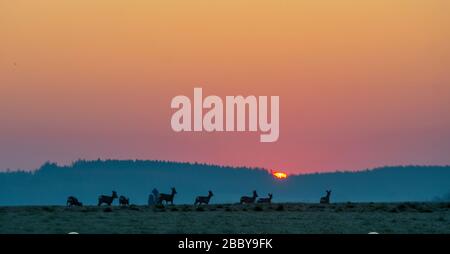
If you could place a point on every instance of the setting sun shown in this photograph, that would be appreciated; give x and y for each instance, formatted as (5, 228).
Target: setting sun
(279, 175)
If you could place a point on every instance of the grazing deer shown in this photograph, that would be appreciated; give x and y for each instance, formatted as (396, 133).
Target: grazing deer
(124, 201)
(167, 197)
(266, 200)
(203, 199)
(107, 199)
(326, 199)
(73, 201)
(249, 200)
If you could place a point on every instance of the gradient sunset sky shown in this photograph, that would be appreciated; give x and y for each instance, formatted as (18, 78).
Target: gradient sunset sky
(361, 83)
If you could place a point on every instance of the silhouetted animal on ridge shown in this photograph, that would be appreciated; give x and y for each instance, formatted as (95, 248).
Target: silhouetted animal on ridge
(107, 199)
(167, 197)
(249, 200)
(326, 199)
(124, 201)
(266, 200)
(73, 201)
(203, 199)
(153, 198)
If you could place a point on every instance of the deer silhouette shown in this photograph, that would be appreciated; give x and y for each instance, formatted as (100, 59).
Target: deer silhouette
(326, 199)
(266, 200)
(107, 199)
(167, 197)
(203, 199)
(124, 201)
(73, 201)
(249, 200)
(153, 198)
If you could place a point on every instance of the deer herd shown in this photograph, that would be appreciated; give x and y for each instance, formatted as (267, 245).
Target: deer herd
(168, 198)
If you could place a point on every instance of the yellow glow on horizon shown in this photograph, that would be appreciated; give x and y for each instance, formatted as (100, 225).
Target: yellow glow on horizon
(280, 175)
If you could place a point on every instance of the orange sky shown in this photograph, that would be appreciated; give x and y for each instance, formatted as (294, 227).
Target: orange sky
(361, 83)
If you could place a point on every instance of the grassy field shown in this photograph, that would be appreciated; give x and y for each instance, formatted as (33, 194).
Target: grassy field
(231, 218)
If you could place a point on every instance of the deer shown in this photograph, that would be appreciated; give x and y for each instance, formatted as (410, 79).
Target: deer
(107, 199)
(249, 200)
(167, 197)
(73, 201)
(326, 199)
(203, 199)
(153, 198)
(266, 200)
(124, 201)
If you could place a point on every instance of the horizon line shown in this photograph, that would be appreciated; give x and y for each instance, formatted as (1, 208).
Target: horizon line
(71, 164)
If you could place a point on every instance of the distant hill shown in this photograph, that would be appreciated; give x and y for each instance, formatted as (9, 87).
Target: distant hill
(51, 184)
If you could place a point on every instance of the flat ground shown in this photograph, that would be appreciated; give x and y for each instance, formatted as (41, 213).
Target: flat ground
(231, 218)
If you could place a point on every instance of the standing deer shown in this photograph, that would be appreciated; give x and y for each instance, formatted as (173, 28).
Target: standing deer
(153, 198)
(326, 199)
(249, 200)
(266, 200)
(107, 199)
(73, 201)
(203, 199)
(124, 201)
(167, 197)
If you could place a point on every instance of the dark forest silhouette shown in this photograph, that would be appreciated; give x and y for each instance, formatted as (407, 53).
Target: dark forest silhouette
(52, 184)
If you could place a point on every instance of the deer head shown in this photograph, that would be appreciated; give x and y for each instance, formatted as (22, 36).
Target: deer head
(114, 194)
(210, 193)
(174, 191)
(255, 194)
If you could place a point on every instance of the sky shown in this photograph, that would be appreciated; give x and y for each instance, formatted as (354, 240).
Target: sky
(362, 84)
